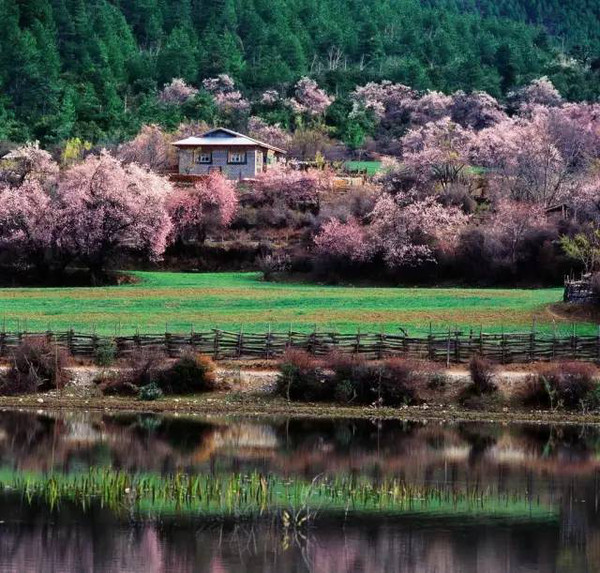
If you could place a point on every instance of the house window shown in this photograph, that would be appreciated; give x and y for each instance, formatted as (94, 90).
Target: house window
(204, 157)
(236, 157)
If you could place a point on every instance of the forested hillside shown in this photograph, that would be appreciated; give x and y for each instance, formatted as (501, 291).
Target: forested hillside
(93, 68)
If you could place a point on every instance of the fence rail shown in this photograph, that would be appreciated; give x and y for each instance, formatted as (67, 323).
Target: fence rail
(450, 347)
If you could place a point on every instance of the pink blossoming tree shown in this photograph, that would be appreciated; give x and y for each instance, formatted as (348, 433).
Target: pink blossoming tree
(150, 148)
(207, 207)
(28, 163)
(409, 233)
(27, 222)
(105, 208)
(437, 153)
(347, 241)
(309, 98)
(177, 92)
(273, 134)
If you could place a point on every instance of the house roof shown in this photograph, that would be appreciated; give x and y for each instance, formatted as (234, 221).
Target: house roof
(222, 137)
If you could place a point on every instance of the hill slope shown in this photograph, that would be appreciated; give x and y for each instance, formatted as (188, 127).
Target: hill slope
(91, 68)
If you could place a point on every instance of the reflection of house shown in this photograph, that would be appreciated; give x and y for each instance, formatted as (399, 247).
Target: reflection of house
(237, 156)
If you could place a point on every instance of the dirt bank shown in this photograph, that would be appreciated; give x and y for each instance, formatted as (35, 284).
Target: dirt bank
(251, 395)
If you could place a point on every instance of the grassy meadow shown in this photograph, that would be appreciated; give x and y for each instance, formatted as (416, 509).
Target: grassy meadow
(182, 301)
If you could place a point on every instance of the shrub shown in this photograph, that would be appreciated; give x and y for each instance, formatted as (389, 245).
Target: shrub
(105, 353)
(400, 382)
(563, 384)
(150, 392)
(391, 382)
(36, 365)
(140, 368)
(482, 375)
(190, 374)
(301, 377)
(118, 385)
(481, 393)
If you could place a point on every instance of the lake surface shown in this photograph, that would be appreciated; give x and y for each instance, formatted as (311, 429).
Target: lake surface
(466, 497)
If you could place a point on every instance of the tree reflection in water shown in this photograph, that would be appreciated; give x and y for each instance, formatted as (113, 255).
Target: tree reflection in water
(558, 465)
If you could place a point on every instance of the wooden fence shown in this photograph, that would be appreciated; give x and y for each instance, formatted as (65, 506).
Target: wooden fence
(450, 347)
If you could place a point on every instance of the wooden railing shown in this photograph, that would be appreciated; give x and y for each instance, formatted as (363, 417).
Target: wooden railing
(450, 347)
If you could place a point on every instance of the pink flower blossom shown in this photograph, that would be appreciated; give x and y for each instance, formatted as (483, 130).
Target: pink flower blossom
(208, 206)
(409, 234)
(105, 207)
(177, 92)
(309, 98)
(348, 241)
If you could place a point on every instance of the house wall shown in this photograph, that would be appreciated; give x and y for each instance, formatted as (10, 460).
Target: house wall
(188, 165)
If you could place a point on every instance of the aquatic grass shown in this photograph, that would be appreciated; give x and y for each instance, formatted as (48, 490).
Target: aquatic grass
(255, 495)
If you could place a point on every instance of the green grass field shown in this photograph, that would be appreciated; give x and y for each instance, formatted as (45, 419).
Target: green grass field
(180, 301)
(372, 167)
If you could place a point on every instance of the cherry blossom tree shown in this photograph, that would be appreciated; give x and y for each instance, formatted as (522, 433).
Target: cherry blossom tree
(512, 221)
(437, 153)
(347, 241)
(524, 160)
(227, 98)
(538, 92)
(207, 207)
(432, 106)
(295, 187)
(177, 92)
(476, 110)
(409, 233)
(28, 163)
(151, 148)
(105, 208)
(273, 134)
(388, 101)
(309, 98)
(27, 222)
(270, 97)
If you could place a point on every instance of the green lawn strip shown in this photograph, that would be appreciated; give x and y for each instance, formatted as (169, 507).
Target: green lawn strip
(180, 302)
(372, 167)
(255, 494)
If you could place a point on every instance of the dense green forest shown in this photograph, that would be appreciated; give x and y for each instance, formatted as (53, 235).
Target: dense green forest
(92, 68)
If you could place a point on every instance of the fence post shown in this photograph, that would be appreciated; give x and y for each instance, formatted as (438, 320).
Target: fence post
(430, 343)
(448, 350)
(268, 343)
(503, 346)
(70, 336)
(240, 342)
(380, 345)
(216, 344)
(456, 347)
(357, 345)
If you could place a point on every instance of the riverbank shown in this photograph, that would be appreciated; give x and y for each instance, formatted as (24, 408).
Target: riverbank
(257, 406)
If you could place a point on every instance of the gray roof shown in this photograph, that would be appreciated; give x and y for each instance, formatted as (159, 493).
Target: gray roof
(229, 138)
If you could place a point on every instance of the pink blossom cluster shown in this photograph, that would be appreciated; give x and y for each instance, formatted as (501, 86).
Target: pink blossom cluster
(227, 98)
(295, 186)
(309, 98)
(209, 205)
(273, 134)
(177, 92)
(101, 207)
(344, 241)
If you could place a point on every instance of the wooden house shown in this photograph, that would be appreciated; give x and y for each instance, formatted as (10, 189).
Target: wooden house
(235, 155)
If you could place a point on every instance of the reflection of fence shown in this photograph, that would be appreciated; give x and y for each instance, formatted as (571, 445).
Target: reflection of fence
(450, 347)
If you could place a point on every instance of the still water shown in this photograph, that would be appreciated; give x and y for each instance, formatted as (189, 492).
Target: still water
(534, 505)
